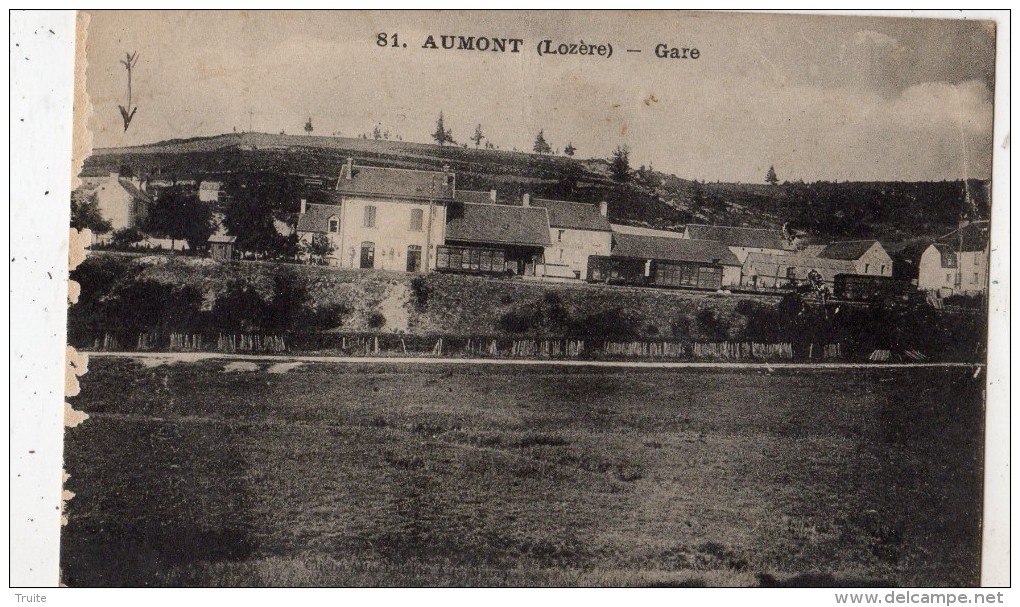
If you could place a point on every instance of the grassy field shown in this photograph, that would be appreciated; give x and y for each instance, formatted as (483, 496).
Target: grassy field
(219, 473)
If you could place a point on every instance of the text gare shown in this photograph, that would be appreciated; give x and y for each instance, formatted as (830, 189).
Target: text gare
(665, 51)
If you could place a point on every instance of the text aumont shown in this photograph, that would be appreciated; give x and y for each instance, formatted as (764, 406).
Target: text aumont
(548, 46)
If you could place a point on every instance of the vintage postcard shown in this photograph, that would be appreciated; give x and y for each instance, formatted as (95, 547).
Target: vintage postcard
(587, 298)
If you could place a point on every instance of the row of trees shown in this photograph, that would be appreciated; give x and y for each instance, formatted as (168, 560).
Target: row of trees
(252, 215)
(443, 135)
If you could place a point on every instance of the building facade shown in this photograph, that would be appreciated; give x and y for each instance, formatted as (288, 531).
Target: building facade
(577, 231)
(120, 200)
(957, 264)
(382, 218)
(868, 256)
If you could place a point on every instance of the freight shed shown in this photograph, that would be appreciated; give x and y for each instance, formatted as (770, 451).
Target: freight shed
(501, 237)
(666, 262)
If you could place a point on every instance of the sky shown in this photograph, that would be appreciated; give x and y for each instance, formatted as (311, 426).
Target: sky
(818, 97)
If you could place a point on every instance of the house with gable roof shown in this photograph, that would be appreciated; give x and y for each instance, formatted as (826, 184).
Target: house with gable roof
(957, 263)
(120, 200)
(577, 230)
(868, 256)
(386, 218)
(315, 219)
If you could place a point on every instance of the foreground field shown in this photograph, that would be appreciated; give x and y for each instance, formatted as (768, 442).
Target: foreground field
(242, 473)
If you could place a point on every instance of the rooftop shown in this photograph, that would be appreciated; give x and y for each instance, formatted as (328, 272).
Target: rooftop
(388, 182)
(849, 249)
(316, 217)
(573, 215)
(672, 249)
(639, 231)
(498, 223)
(478, 197)
(758, 238)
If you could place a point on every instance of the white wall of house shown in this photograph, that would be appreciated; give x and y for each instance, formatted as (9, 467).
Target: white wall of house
(970, 278)
(116, 204)
(874, 262)
(392, 232)
(731, 276)
(333, 234)
(568, 254)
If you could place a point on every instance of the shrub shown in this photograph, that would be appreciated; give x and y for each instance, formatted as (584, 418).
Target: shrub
(420, 292)
(376, 320)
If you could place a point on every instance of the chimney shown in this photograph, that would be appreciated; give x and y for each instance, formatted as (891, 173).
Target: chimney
(350, 168)
(304, 203)
(114, 175)
(492, 195)
(604, 208)
(526, 200)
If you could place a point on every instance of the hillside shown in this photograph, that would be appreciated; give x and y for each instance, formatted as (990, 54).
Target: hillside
(892, 211)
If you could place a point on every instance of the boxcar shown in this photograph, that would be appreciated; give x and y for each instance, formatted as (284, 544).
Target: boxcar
(616, 270)
(688, 275)
(654, 273)
(470, 260)
(865, 288)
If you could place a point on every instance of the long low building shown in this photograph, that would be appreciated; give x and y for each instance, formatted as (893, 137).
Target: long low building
(667, 261)
(765, 271)
(488, 237)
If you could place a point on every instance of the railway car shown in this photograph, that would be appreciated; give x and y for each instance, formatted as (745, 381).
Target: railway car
(654, 273)
(689, 275)
(872, 289)
(617, 270)
(471, 260)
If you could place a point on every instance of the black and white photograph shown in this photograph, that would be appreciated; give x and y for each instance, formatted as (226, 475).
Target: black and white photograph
(532, 299)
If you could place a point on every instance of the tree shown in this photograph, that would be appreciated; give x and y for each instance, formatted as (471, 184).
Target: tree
(319, 248)
(541, 145)
(570, 149)
(308, 126)
(771, 177)
(478, 136)
(179, 215)
(619, 164)
(85, 213)
(125, 237)
(443, 135)
(250, 214)
(377, 133)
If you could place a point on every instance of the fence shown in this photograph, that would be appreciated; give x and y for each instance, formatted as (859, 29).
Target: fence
(457, 346)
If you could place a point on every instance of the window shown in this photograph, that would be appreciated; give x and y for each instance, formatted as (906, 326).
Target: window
(975, 278)
(368, 254)
(417, 215)
(949, 278)
(369, 216)
(559, 235)
(883, 268)
(561, 254)
(414, 258)
(866, 266)
(334, 225)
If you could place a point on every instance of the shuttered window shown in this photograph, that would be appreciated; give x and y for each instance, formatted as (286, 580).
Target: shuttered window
(417, 216)
(369, 216)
